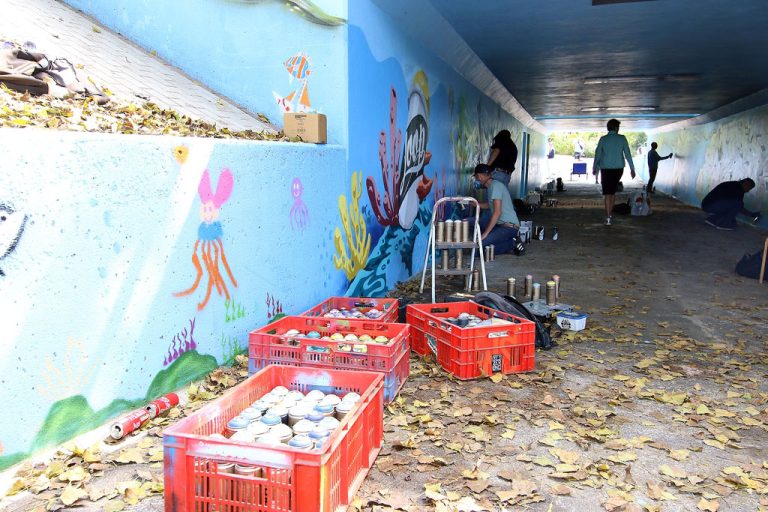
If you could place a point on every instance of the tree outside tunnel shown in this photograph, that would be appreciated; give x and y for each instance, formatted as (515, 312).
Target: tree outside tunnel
(564, 142)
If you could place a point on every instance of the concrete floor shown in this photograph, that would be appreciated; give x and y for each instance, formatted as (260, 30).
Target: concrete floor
(659, 405)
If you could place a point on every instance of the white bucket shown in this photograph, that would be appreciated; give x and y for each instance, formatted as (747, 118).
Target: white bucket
(572, 320)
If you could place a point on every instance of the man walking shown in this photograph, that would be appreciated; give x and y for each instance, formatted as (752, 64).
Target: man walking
(653, 166)
(610, 153)
(726, 201)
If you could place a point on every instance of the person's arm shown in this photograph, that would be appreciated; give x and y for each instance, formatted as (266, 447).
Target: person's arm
(628, 156)
(494, 155)
(598, 157)
(665, 157)
(494, 218)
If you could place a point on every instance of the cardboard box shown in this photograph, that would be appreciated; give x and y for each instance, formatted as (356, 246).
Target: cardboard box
(308, 127)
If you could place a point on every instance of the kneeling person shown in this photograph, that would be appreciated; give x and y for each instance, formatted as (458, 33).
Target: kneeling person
(502, 228)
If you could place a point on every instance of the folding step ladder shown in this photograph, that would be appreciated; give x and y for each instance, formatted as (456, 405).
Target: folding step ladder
(456, 246)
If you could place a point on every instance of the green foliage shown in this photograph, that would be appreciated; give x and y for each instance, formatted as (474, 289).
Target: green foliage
(233, 311)
(564, 141)
(188, 367)
(230, 348)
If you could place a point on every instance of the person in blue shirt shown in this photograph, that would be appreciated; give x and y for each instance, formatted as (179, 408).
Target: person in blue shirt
(726, 201)
(653, 166)
(610, 153)
(502, 228)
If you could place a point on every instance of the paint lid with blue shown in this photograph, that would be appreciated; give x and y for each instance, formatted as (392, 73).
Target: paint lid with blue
(315, 416)
(301, 441)
(271, 419)
(238, 423)
(324, 408)
(319, 433)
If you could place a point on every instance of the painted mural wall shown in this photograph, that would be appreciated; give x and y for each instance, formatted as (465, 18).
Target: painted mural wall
(130, 265)
(732, 148)
(417, 129)
(269, 56)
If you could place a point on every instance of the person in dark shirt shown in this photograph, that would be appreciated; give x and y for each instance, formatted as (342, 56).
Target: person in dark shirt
(653, 166)
(503, 157)
(726, 201)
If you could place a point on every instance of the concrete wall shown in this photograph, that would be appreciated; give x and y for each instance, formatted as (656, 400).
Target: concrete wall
(239, 48)
(732, 148)
(417, 128)
(101, 308)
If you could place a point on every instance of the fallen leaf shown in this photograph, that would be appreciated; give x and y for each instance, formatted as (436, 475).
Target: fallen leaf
(709, 506)
(71, 494)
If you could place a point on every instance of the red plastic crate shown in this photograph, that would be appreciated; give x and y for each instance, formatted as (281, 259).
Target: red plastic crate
(364, 304)
(416, 317)
(292, 479)
(469, 353)
(267, 344)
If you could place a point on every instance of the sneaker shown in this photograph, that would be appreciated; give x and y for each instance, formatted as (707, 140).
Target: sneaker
(717, 226)
(608, 221)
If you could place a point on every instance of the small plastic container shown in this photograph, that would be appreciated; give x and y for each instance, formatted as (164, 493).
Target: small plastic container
(571, 320)
(287, 403)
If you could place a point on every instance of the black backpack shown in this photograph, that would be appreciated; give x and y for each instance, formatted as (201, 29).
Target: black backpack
(511, 305)
(749, 265)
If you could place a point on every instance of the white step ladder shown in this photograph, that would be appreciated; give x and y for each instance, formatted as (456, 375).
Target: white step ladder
(475, 243)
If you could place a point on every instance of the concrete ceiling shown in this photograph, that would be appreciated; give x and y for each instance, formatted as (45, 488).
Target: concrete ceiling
(572, 65)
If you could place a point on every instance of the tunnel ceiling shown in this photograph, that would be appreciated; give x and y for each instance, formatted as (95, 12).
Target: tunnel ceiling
(573, 65)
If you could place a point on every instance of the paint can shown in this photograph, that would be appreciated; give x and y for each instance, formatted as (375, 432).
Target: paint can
(226, 484)
(555, 233)
(465, 230)
(439, 231)
(528, 292)
(162, 404)
(444, 259)
(457, 231)
(541, 232)
(536, 291)
(128, 423)
(556, 279)
(487, 250)
(449, 231)
(493, 251)
(511, 287)
(551, 293)
(459, 259)
(476, 280)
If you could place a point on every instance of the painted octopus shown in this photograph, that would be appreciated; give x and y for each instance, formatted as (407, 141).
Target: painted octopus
(209, 238)
(299, 212)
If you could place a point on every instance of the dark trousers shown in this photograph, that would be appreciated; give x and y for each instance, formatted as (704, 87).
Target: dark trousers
(502, 237)
(652, 174)
(724, 212)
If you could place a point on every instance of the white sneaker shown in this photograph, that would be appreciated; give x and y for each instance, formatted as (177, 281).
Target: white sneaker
(608, 221)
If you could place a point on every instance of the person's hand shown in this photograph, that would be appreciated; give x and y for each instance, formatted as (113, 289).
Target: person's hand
(484, 236)
(670, 155)
(632, 173)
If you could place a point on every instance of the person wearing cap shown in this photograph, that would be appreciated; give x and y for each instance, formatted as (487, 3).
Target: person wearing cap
(726, 201)
(610, 153)
(502, 228)
(653, 166)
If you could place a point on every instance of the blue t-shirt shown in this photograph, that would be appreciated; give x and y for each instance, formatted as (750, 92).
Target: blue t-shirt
(498, 190)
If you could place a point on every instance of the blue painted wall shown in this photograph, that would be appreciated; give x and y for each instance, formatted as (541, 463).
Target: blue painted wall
(238, 47)
(732, 148)
(89, 311)
(393, 80)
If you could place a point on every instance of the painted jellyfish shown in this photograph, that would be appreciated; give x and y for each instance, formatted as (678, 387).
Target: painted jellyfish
(299, 212)
(209, 237)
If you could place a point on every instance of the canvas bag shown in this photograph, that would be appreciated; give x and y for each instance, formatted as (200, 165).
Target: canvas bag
(640, 204)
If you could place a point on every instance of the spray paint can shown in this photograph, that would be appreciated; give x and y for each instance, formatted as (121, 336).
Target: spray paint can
(555, 233)
(541, 232)
(459, 259)
(487, 250)
(128, 423)
(457, 231)
(528, 292)
(448, 231)
(493, 252)
(536, 291)
(551, 293)
(512, 287)
(162, 404)
(475, 280)
(465, 230)
(556, 279)
(444, 259)
(439, 231)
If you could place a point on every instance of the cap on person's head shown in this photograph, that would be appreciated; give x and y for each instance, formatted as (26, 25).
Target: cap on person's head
(613, 125)
(483, 169)
(654, 145)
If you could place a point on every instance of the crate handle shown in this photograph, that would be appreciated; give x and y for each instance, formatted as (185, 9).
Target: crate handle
(500, 334)
(439, 310)
(365, 304)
